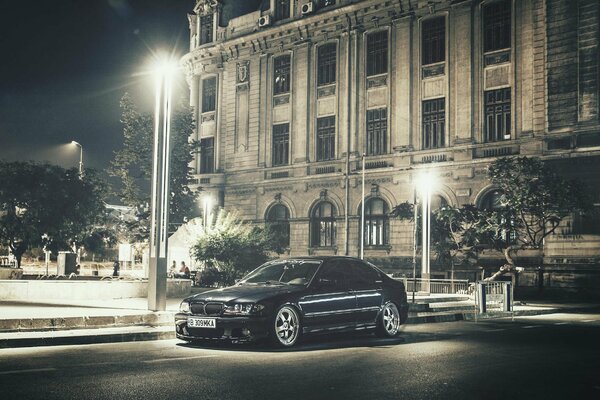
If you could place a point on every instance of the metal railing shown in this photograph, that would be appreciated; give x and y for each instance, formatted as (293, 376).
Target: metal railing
(436, 286)
(494, 294)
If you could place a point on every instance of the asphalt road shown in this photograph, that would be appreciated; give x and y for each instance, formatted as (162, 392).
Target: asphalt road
(546, 357)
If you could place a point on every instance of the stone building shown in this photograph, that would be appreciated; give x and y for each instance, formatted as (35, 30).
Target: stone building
(290, 94)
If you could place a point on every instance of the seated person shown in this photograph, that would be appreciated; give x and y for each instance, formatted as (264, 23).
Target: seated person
(184, 271)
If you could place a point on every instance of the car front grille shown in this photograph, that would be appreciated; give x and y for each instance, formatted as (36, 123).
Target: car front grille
(209, 308)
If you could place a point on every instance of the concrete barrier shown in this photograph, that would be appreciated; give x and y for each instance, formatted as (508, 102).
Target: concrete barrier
(11, 273)
(85, 290)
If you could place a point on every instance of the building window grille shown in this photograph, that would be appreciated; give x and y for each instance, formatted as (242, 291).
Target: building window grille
(206, 29)
(497, 115)
(278, 219)
(209, 94)
(327, 57)
(377, 53)
(496, 25)
(281, 82)
(325, 138)
(282, 9)
(281, 142)
(322, 225)
(434, 123)
(207, 156)
(433, 36)
(377, 227)
(376, 131)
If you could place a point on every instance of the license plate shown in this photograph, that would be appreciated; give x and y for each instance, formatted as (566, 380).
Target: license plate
(202, 323)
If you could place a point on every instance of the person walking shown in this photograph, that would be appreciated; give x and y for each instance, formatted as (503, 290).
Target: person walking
(116, 268)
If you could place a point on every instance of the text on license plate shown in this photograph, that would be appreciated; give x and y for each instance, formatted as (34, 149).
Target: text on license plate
(202, 323)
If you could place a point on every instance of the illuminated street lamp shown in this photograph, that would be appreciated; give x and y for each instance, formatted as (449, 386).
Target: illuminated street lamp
(80, 157)
(206, 207)
(425, 184)
(159, 229)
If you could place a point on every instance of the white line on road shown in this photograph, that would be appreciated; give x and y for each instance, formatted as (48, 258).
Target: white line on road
(177, 359)
(560, 323)
(531, 326)
(588, 320)
(495, 330)
(25, 371)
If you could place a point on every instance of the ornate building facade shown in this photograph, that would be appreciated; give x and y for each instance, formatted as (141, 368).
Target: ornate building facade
(290, 95)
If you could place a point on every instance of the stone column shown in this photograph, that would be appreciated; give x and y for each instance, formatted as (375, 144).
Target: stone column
(301, 102)
(461, 97)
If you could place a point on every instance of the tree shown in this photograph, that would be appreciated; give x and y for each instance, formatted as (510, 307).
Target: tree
(46, 205)
(233, 246)
(534, 200)
(132, 164)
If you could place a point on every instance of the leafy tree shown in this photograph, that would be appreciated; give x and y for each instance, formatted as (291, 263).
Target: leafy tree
(46, 205)
(132, 164)
(534, 199)
(234, 247)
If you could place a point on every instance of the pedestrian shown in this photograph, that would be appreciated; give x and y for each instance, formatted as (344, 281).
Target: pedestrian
(184, 271)
(116, 268)
(173, 270)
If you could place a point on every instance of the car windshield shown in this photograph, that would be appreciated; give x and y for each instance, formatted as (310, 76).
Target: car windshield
(288, 273)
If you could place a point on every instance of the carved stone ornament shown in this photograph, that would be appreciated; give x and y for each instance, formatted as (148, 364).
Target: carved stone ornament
(204, 7)
(243, 71)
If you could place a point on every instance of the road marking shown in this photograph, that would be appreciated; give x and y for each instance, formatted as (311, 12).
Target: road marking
(495, 330)
(25, 371)
(531, 326)
(588, 320)
(560, 323)
(158, 360)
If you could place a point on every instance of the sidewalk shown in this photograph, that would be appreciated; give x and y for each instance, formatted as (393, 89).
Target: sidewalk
(41, 323)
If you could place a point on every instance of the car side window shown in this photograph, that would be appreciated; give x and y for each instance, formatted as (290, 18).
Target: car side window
(362, 276)
(333, 274)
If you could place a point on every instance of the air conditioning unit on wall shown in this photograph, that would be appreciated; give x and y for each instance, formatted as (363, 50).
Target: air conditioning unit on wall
(265, 20)
(308, 8)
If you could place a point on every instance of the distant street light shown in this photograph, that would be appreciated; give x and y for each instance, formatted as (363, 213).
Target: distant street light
(159, 229)
(207, 206)
(80, 157)
(426, 183)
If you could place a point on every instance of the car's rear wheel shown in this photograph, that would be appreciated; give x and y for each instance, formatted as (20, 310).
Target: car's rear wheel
(286, 327)
(388, 324)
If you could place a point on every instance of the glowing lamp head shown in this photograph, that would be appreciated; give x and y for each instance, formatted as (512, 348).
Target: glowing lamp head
(426, 181)
(75, 143)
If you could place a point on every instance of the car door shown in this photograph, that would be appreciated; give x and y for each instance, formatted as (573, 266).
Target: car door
(329, 305)
(367, 285)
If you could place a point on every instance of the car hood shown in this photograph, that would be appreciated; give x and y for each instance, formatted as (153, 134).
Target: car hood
(244, 293)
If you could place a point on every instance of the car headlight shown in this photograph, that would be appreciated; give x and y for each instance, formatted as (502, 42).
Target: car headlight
(184, 307)
(243, 309)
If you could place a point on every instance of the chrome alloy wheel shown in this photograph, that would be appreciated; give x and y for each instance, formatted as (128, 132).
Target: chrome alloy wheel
(287, 326)
(390, 319)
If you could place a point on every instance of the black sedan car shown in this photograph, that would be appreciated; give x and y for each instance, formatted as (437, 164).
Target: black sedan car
(285, 299)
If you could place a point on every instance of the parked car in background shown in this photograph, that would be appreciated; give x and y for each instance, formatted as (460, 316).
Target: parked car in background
(285, 299)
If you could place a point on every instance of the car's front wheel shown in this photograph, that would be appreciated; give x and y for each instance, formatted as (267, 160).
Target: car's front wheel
(286, 328)
(388, 324)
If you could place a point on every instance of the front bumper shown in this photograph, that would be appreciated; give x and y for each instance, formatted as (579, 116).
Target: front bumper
(236, 329)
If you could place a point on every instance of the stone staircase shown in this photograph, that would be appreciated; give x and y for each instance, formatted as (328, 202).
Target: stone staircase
(440, 308)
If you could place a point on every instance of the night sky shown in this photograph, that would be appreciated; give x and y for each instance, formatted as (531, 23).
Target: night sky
(66, 63)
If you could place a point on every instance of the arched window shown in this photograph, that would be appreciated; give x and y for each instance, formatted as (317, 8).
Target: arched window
(322, 225)
(377, 226)
(278, 218)
(438, 202)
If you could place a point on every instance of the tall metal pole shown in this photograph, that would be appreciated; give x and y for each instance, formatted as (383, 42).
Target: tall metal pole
(414, 260)
(80, 157)
(159, 233)
(426, 226)
(362, 212)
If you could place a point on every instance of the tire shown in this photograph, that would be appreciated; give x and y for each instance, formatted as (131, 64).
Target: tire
(388, 323)
(286, 328)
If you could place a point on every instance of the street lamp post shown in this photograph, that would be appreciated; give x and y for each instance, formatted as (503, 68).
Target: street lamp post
(426, 183)
(159, 229)
(206, 207)
(362, 212)
(80, 157)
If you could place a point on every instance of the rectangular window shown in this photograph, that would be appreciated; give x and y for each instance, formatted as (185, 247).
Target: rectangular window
(281, 81)
(282, 9)
(326, 3)
(281, 144)
(325, 138)
(376, 131)
(497, 115)
(326, 65)
(496, 25)
(377, 53)
(206, 29)
(209, 94)
(207, 156)
(434, 123)
(433, 40)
